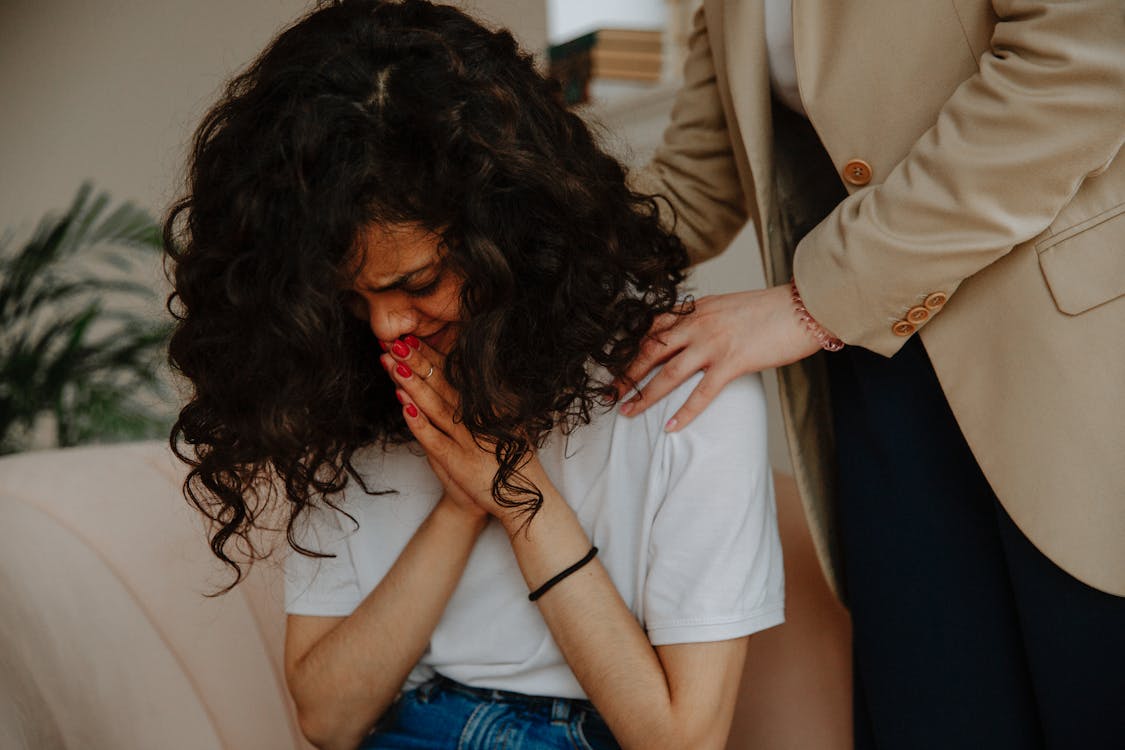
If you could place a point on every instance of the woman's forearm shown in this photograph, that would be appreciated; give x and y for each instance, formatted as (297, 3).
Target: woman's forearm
(349, 677)
(606, 647)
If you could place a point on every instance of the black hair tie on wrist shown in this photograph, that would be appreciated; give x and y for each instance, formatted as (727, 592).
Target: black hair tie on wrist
(547, 586)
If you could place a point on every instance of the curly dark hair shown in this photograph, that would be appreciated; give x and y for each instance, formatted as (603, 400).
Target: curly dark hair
(371, 112)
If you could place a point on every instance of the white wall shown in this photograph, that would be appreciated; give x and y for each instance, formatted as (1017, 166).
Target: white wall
(567, 19)
(112, 89)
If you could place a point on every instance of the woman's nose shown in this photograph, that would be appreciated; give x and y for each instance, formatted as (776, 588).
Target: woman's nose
(390, 321)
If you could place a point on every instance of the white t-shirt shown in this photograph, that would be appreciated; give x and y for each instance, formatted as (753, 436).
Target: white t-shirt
(780, 55)
(685, 524)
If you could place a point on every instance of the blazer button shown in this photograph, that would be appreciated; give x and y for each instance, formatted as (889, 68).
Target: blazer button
(917, 314)
(903, 328)
(857, 172)
(936, 300)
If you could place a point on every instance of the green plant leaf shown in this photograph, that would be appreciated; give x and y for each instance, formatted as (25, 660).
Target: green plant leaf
(69, 347)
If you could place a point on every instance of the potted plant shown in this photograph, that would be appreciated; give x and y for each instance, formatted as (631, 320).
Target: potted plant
(76, 353)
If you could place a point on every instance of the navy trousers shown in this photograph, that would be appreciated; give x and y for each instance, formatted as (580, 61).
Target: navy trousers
(965, 635)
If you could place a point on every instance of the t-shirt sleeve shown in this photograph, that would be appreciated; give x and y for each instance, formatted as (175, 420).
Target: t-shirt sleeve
(715, 567)
(324, 586)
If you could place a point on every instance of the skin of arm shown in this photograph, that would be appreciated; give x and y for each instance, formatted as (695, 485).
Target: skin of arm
(344, 672)
(678, 696)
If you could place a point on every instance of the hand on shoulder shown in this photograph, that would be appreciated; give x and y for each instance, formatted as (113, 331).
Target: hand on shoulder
(727, 335)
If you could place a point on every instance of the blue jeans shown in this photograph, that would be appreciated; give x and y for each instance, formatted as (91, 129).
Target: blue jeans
(446, 714)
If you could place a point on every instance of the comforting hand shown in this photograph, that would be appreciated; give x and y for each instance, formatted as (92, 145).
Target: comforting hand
(727, 335)
(430, 404)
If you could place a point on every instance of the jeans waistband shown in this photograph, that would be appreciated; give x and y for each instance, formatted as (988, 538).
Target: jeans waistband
(559, 709)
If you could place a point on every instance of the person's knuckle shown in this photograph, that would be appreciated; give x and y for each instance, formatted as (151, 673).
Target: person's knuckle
(673, 371)
(707, 389)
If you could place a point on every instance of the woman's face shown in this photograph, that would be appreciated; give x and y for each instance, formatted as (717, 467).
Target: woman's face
(402, 286)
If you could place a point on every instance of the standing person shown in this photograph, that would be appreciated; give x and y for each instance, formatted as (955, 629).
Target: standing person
(405, 276)
(940, 181)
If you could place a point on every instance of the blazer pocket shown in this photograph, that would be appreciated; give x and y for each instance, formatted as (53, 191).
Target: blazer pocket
(1084, 265)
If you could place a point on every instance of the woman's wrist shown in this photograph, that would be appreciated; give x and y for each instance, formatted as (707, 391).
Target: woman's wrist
(549, 542)
(518, 520)
(454, 512)
(515, 520)
(825, 338)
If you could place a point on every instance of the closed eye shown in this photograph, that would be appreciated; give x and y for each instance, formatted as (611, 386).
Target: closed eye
(426, 290)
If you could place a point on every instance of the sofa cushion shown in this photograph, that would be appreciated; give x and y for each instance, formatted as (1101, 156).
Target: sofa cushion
(106, 637)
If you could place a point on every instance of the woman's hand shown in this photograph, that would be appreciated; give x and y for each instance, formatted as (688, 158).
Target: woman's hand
(430, 406)
(727, 335)
(345, 672)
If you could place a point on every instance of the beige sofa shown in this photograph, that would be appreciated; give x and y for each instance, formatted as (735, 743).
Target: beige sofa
(107, 641)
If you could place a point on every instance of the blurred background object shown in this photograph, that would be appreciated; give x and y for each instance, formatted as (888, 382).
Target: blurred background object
(605, 55)
(77, 363)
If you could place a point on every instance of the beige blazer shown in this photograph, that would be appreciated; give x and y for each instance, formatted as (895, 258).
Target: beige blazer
(986, 214)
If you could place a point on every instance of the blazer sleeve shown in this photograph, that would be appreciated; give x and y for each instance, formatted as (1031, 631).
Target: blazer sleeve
(1008, 151)
(694, 167)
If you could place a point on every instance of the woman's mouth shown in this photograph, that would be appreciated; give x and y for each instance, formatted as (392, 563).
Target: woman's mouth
(440, 340)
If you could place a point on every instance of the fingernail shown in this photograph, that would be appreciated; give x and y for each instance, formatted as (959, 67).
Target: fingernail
(403, 370)
(383, 346)
(671, 425)
(414, 342)
(412, 410)
(626, 408)
(401, 397)
(400, 349)
(386, 362)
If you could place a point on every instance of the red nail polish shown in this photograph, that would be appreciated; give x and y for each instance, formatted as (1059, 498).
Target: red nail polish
(401, 397)
(414, 342)
(403, 371)
(383, 346)
(400, 349)
(385, 363)
(412, 410)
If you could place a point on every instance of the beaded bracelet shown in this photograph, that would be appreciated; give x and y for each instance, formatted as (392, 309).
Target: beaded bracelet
(827, 341)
